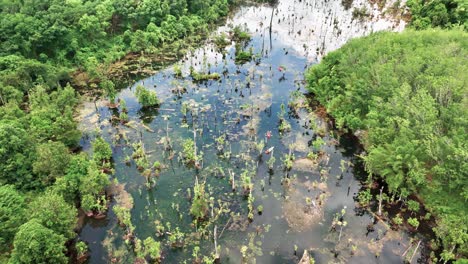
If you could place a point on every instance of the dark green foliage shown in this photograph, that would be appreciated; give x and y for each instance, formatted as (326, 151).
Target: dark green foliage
(51, 158)
(12, 214)
(438, 13)
(408, 92)
(35, 243)
(15, 154)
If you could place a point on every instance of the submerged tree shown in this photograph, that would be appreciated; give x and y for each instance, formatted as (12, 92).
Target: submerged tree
(146, 97)
(199, 207)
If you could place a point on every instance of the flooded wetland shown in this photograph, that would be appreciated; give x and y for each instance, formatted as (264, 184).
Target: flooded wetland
(237, 163)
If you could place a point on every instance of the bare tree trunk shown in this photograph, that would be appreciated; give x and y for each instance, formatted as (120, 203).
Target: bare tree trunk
(416, 250)
(380, 202)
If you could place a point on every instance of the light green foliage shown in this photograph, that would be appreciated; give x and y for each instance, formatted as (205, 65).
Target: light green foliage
(408, 92)
(288, 161)
(199, 77)
(397, 220)
(284, 125)
(413, 222)
(318, 143)
(92, 188)
(146, 97)
(53, 212)
(124, 216)
(413, 206)
(152, 248)
(102, 151)
(81, 248)
(12, 214)
(246, 179)
(35, 243)
(189, 151)
(199, 207)
(364, 197)
(240, 35)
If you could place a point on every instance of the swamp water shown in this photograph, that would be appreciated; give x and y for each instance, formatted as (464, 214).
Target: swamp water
(241, 107)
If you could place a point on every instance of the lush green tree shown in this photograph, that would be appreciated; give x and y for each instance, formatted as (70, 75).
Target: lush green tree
(69, 185)
(92, 189)
(51, 210)
(12, 214)
(15, 154)
(35, 243)
(51, 159)
(408, 93)
(101, 150)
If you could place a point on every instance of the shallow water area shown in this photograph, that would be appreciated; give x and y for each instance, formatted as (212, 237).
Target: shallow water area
(298, 205)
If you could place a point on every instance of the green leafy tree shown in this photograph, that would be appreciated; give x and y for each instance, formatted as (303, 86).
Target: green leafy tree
(35, 243)
(15, 154)
(51, 159)
(12, 214)
(102, 151)
(53, 212)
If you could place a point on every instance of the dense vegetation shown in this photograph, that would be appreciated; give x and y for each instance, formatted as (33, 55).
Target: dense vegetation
(42, 43)
(438, 13)
(406, 96)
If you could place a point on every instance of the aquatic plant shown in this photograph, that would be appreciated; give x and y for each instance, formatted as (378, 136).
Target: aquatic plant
(238, 34)
(318, 143)
(124, 217)
(250, 201)
(176, 238)
(413, 222)
(246, 180)
(123, 117)
(177, 71)
(81, 249)
(146, 97)
(188, 153)
(271, 162)
(364, 197)
(284, 125)
(413, 206)
(199, 208)
(288, 160)
(221, 40)
(397, 220)
(152, 248)
(199, 77)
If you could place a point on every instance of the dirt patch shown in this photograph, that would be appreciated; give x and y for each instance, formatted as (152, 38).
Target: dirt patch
(121, 196)
(305, 165)
(301, 211)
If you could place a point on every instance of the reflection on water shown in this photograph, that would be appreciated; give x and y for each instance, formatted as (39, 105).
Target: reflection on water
(312, 28)
(300, 206)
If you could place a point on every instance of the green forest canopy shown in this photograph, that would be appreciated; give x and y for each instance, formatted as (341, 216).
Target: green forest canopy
(408, 92)
(41, 44)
